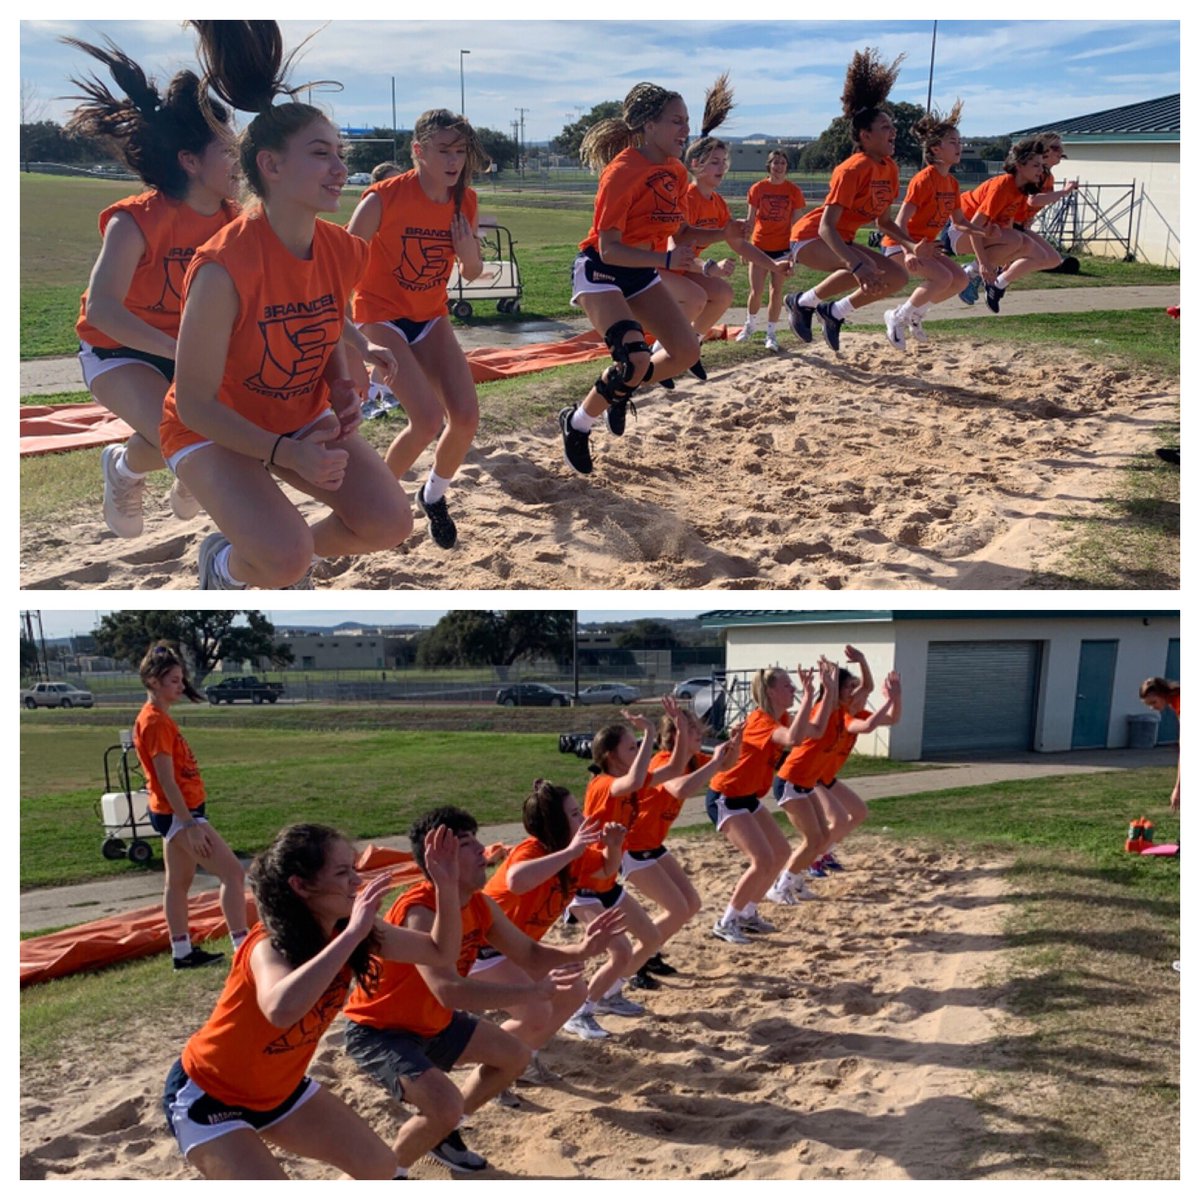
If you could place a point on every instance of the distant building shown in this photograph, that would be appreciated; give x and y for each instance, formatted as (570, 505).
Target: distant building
(752, 155)
(1129, 159)
(978, 682)
(350, 648)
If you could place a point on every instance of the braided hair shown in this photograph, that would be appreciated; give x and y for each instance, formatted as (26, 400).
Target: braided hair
(301, 851)
(145, 128)
(437, 120)
(868, 82)
(718, 104)
(933, 127)
(606, 139)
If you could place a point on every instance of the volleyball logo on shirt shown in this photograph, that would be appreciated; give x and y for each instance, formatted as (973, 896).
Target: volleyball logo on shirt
(174, 266)
(774, 209)
(665, 188)
(881, 197)
(308, 1030)
(426, 256)
(297, 340)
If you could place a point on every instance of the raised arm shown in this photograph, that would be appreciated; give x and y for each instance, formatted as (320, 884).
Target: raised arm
(525, 876)
(635, 777)
(856, 656)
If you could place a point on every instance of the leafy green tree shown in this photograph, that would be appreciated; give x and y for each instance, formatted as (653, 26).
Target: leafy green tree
(468, 638)
(836, 144)
(499, 147)
(364, 155)
(204, 637)
(530, 634)
(647, 634)
(567, 142)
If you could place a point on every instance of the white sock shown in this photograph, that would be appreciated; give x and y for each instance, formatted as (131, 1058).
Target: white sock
(221, 568)
(841, 309)
(918, 310)
(401, 1173)
(123, 467)
(435, 487)
(1002, 281)
(751, 322)
(749, 910)
(771, 328)
(904, 311)
(582, 421)
(616, 987)
(810, 299)
(181, 947)
(731, 914)
(972, 269)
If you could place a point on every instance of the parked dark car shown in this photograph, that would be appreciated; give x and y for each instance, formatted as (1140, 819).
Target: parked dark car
(531, 695)
(245, 687)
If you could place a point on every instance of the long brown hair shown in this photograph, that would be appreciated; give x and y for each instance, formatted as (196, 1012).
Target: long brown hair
(543, 817)
(161, 658)
(868, 82)
(718, 104)
(606, 139)
(436, 120)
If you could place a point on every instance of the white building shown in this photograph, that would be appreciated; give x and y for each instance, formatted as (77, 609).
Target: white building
(981, 682)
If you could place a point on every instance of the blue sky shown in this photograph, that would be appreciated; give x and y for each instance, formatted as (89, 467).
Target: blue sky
(786, 75)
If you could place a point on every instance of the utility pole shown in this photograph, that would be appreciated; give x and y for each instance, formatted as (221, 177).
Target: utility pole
(462, 84)
(394, 150)
(521, 144)
(932, 52)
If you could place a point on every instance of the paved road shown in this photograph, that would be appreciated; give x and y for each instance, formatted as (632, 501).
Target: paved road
(49, 908)
(46, 375)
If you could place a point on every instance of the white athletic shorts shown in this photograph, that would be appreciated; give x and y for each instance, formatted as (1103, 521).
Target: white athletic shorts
(178, 457)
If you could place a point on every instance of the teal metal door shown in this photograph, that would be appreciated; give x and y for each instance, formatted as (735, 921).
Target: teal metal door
(1093, 694)
(1168, 725)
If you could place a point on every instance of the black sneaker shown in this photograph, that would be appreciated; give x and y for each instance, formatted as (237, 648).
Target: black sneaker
(643, 979)
(441, 524)
(614, 418)
(994, 296)
(697, 369)
(669, 384)
(577, 453)
(452, 1152)
(833, 325)
(657, 965)
(196, 958)
(799, 317)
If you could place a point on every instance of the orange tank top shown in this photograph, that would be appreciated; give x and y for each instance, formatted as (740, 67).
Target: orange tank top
(154, 732)
(239, 1057)
(411, 254)
(289, 320)
(173, 231)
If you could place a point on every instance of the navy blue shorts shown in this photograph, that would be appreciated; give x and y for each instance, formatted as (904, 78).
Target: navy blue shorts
(163, 823)
(412, 331)
(590, 273)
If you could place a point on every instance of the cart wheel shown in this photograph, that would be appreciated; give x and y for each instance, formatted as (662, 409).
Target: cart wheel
(503, 305)
(514, 306)
(462, 309)
(140, 852)
(113, 848)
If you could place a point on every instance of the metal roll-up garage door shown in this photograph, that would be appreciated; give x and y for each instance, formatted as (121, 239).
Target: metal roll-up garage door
(980, 696)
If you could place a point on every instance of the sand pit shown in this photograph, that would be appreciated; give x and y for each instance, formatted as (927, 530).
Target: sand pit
(945, 468)
(843, 1046)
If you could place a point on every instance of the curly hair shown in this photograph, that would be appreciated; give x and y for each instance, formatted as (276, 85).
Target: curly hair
(161, 658)
(302, 850)
(1019, 154)
(868, 82)
(718, 104)
(438, 120)
(1156, 685)
(933, 127)
(147, 130)
(245, 67)
(606, 139)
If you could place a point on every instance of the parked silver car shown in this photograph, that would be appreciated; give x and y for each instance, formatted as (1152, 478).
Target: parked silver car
(608, 693)
(689, 687)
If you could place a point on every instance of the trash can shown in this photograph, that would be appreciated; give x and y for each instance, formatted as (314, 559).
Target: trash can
(1143, 730)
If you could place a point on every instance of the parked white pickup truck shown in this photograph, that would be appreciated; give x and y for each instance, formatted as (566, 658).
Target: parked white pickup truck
(56, 695)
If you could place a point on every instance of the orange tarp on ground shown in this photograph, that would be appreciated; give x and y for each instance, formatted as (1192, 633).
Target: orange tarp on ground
(55, 428)
(143, 931)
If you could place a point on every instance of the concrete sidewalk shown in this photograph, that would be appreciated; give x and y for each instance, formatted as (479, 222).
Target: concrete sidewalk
(46, 375)
(50, 908)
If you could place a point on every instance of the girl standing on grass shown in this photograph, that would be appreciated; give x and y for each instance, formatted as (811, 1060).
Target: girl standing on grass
(822, 809)
(177, 799)
(773, 206)
(862, 189)
(263, 379)
(648, 865)
(993, 209)
(639, 211)
(416, 225)
(931, 201)
(1158, 693)
(129, 315)
(239, 1091)
(733, 797)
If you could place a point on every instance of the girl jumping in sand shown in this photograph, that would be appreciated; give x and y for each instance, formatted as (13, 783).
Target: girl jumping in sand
(129, 316)
(177, 813)
(417, 224)
(239, 1091)
(773, 206)
(863, 189)
(262, 379)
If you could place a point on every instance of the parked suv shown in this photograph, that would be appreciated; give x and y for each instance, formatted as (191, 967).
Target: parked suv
(56, 695)
(531, 694)
(689, 687)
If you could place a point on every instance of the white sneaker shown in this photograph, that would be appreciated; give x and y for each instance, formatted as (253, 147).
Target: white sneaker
(916, 329)
(507, 1099)
(745, 333)
(183, 504)
(584, 1025)
(755, 923)
(618, 1005)
(730, 931)
(122, 497)
(895, 330)
(209, 549)
(781, 895)
(772, 342)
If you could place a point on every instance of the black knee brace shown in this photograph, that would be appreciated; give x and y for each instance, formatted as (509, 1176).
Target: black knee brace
(614, 337)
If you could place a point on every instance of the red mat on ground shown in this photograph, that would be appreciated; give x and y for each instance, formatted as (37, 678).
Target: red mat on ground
(55, 428)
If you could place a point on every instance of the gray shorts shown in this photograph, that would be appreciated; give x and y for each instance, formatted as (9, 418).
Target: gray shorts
(393, 1055)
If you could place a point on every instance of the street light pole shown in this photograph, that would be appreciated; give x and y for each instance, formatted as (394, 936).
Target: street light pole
(932, 53)
(462, 84)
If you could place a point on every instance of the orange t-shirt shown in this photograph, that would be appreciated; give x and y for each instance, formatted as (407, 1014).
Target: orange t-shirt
(172, 230)
(751, 775)
(705, 212)
(773, 205)
(862, 188)
(289, 320)
(657, 808)
(155, 733)
(239, 1057)
(598, 801)
(643, 200)
(411, 254)
(1173, 701)
(935, 197)
(533, 912)
(401, 999)
(1000, 200)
